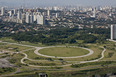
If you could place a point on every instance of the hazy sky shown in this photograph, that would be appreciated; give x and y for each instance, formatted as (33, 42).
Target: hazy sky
(35, 3)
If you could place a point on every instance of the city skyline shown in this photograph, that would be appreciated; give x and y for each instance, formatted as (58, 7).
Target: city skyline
(36, 3)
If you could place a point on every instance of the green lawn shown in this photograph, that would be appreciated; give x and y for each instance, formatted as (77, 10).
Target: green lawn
(95, 55)
(43, 63)
(15, 48)
(10, 40)
(32, 55)
(64, 51)
(110, 53)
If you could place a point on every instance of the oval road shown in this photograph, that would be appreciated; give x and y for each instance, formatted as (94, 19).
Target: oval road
(38, 48)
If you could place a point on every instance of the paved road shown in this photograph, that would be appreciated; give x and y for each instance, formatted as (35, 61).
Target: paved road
(37, 53)
(38, 48)
(102, 56)
(26, 57)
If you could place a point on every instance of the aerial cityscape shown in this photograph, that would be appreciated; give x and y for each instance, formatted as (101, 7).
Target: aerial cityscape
(57, 38)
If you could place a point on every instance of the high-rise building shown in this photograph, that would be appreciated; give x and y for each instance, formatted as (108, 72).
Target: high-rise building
(2, 11)
(57, 15)
(34, 16)
(113, 32)
(48, 12)
(94, 13)
(31, 19)
(10, 13)
(40, 19)
(19, 15)
(14, 11)
(23, 17)
(27, 18)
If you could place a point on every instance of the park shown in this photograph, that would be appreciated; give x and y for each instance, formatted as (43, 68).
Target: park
(70, 57)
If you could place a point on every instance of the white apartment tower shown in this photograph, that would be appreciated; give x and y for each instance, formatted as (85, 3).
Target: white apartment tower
(2, 11)
(94, 13)
(48, 12)
(19, 15)
(40, 19)
(113, 32)
(27, 18)
(14, 11)
(31, 19)
(57, 15)
(34, 16)
(10, 13)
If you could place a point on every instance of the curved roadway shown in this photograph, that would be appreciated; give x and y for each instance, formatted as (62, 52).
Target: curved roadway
(38, 48)
(37, 53)
(26, 57)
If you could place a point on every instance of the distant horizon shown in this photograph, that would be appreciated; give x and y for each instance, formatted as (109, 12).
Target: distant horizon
(46, 3)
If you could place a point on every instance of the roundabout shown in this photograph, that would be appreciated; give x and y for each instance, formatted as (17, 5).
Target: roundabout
(63, 52)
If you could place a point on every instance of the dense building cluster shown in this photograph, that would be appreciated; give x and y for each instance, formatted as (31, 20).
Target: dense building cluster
(70, 16)
(23, 16)
(52, 17)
